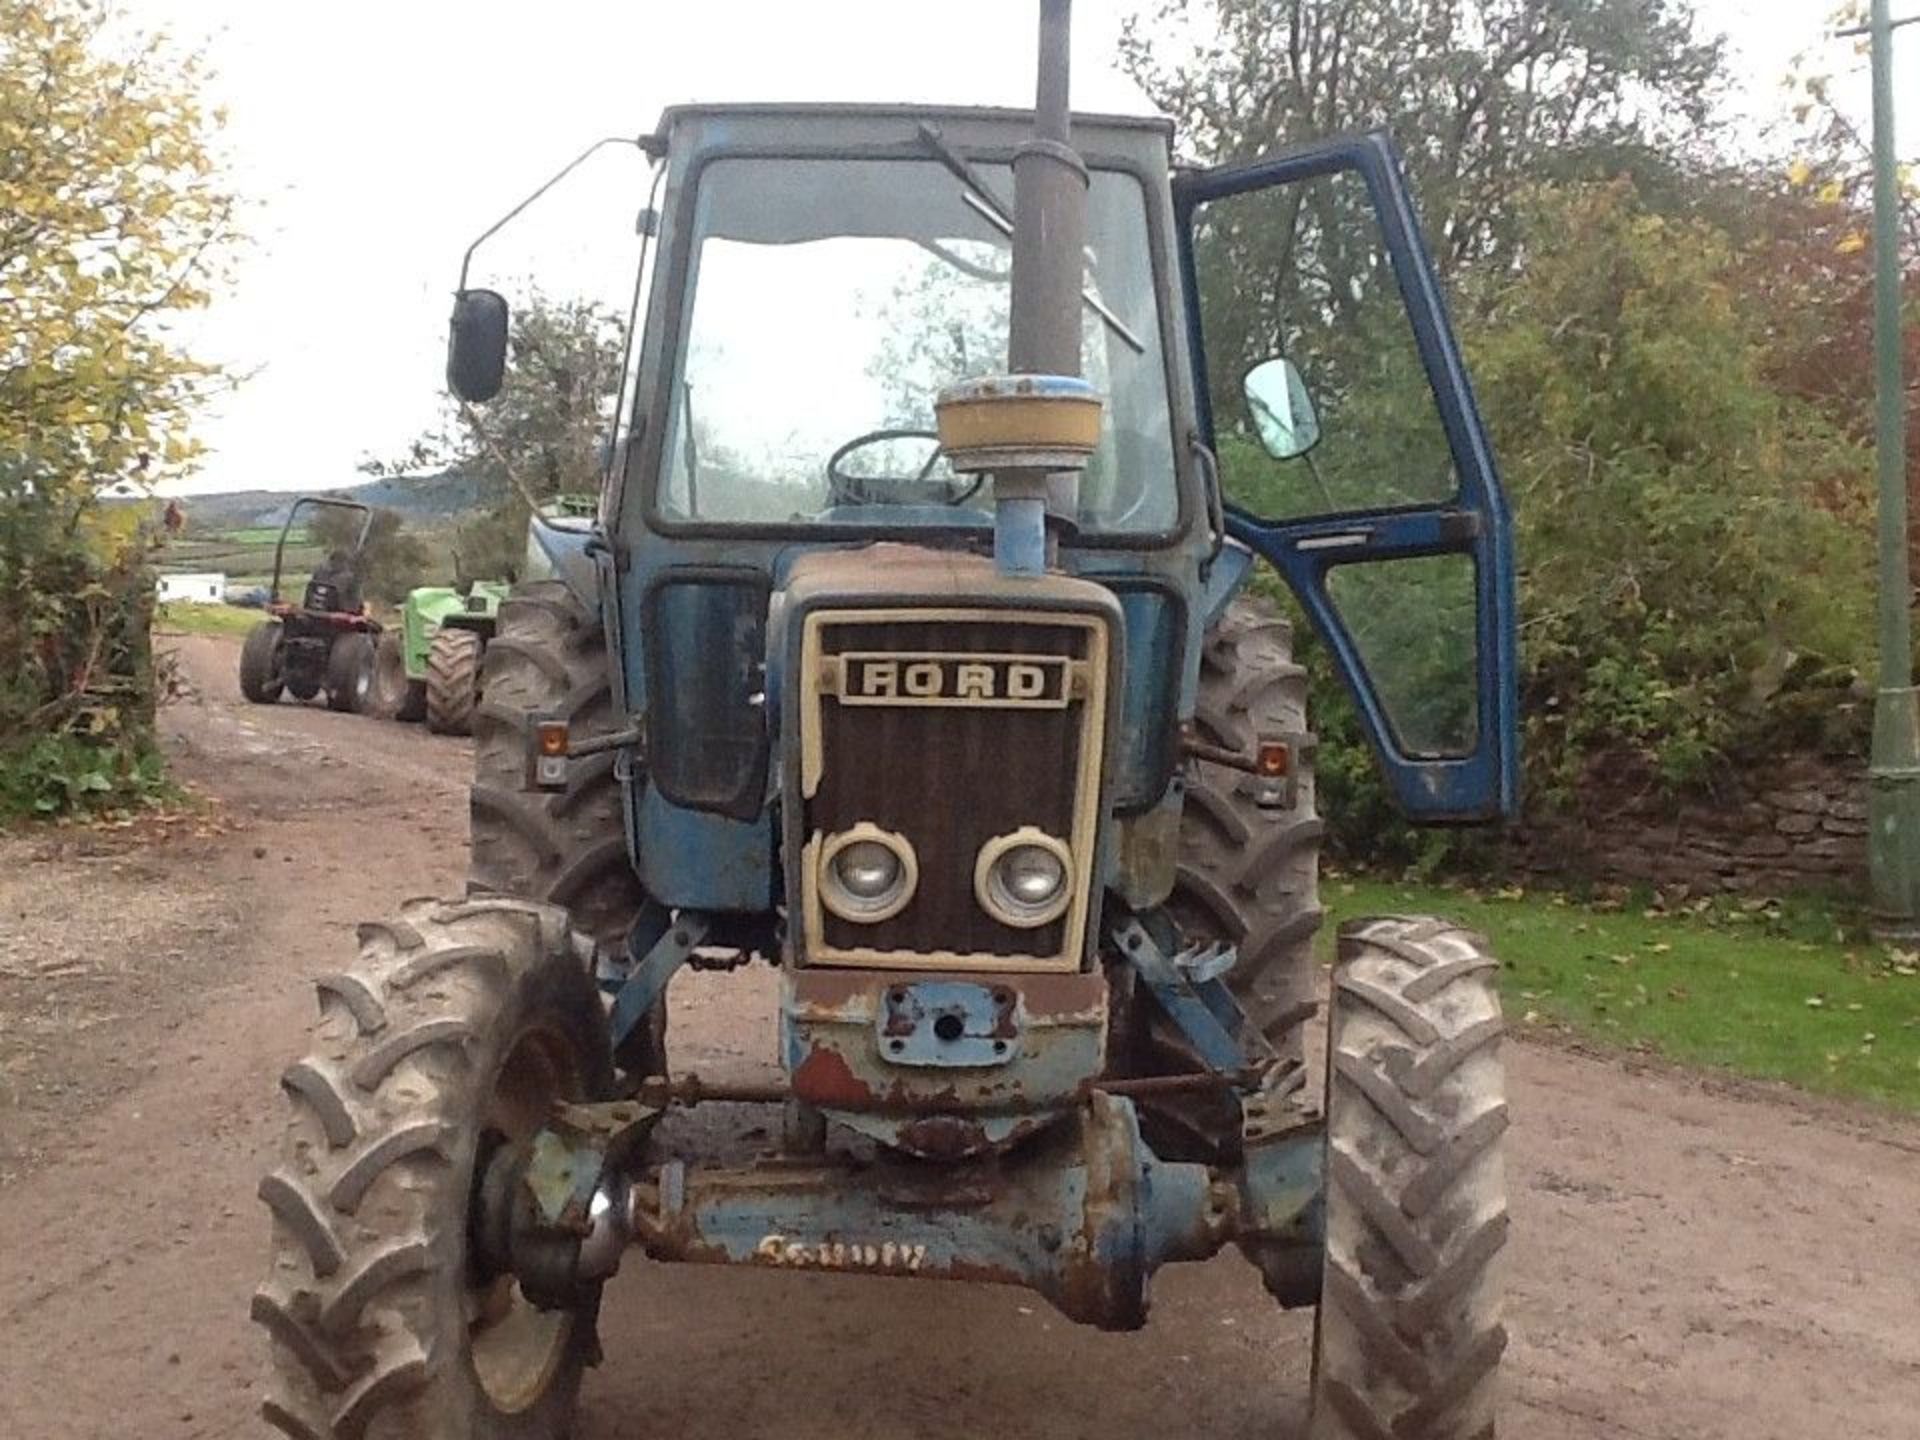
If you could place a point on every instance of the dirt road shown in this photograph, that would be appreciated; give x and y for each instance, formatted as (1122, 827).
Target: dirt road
(1688, 1265)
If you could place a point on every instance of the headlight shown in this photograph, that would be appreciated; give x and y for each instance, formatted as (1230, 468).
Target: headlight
(867, 874)
(1024, 879)
(867, 870)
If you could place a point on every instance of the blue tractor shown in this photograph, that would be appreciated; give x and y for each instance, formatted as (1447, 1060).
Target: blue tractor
(913, 654)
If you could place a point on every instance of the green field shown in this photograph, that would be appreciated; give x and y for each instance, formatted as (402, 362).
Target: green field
(245, 555)
(1774, 990)
(237, 552)
(254, 535)
(205, 619)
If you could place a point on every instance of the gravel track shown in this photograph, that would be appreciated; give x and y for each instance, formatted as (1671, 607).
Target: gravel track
(1691, 1261)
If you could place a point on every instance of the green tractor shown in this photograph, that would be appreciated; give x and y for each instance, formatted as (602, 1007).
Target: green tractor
(428, 668)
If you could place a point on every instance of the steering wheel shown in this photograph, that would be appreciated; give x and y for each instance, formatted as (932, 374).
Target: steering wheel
(915, 489)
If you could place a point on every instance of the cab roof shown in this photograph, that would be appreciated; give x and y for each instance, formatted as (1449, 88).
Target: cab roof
(836, 123)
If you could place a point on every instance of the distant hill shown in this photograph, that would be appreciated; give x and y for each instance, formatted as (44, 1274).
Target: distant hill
(423, 499)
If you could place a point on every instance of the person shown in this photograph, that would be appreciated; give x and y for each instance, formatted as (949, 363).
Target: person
(337, 573)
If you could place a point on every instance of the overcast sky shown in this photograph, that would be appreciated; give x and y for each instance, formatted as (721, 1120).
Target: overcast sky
(376, 139)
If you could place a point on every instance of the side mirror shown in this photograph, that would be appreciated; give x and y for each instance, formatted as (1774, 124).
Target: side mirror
(1281, 409)
(477, 345)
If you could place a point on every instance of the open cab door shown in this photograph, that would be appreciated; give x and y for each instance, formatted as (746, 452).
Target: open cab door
(1351, 455)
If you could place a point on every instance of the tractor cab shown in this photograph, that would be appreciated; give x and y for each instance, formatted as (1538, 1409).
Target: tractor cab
(1276, 379)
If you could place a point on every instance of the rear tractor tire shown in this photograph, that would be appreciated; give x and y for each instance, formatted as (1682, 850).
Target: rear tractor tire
(1410, 1333)
(548, 656)
(262, 662)
(350, 663)
(457, 1029)
(453, 681)
(1249, 872)
(393, 695)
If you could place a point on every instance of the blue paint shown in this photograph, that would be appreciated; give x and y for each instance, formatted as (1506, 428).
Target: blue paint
(571, 548)
(1486, 782)
(692, 860)
(1282, 1190)
(1206, 1012)
(1084, 1218)
(1226, 578)
(948, 1024)
(648, 981)
(613, 967)
(1052, 1050)
(1143, 759)
(1020, 535)
(800, 1229)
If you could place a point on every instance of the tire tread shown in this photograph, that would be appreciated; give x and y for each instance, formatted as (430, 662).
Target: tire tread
(1411, 1330)
(376, 1131)
(549, 656)
(453, 680)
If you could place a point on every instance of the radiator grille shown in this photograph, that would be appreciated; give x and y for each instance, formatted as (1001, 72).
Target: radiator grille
(951, 729)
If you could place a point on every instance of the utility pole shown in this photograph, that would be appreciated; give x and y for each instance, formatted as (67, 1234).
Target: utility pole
(1893, 807)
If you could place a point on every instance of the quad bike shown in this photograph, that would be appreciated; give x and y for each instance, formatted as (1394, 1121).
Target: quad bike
(974, 728)
(429, 667)
(326, 642)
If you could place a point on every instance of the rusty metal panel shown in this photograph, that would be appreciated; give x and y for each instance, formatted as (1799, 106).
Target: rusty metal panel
(1084, 1216)
(861, 1046)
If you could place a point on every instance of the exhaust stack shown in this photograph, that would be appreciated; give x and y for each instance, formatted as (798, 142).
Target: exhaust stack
(1033, 428)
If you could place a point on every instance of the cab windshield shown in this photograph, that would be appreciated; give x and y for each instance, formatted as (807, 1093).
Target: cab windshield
(829, 300)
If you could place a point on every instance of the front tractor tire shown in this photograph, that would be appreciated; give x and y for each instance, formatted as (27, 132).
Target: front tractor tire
(262, 663)
(1410, 1333)
(453, 680)
(457, 1029)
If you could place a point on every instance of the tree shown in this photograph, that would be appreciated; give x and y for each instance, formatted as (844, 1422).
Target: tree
(393, 562)
(1692, 540)
(1695, 567)
(1483, 96)
(1805, 231)
(114, 222)
(548, 428)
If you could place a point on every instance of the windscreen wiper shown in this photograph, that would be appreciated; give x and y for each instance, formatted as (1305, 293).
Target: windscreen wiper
(980, 199)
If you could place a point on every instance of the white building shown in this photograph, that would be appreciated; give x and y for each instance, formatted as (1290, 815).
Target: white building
(206, 589)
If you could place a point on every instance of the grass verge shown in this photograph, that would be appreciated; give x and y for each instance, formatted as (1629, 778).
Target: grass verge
(1776, 990)
(206, 619)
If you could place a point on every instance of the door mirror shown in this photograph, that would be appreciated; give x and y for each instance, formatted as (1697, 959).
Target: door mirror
(477, 345)
(1281, 409)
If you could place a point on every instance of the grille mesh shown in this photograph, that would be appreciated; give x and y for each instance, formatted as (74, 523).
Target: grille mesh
(949, 776)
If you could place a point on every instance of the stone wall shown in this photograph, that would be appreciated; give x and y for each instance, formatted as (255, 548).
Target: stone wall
(1799, 825)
